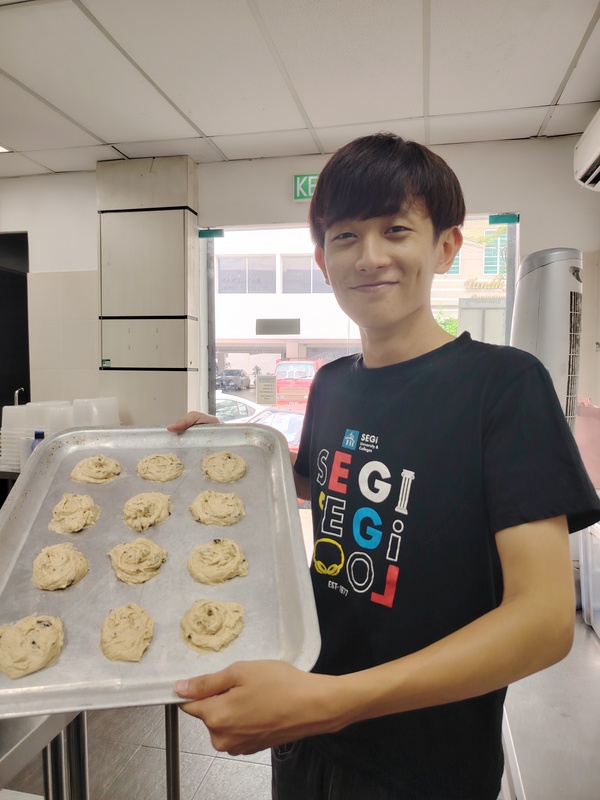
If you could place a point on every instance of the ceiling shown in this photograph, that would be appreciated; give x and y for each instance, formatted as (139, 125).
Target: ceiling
(83, 81)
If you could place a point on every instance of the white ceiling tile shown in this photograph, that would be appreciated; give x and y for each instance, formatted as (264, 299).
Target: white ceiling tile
(568, 119)
(350, 62)
(519, 123)
(32, 124)
(502, 55)
(14, 165)
(209, 57)
(269, 144)
(199, 150)
(584, 82)
(54, 50)
(332, 138)
(74, 159)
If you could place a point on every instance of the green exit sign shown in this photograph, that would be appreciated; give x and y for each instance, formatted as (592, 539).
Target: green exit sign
(304, 186)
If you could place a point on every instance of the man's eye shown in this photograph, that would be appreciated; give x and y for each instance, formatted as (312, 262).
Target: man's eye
(398, 229)
(343, 235)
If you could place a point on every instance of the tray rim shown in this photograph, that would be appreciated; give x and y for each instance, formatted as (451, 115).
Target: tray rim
(111, 694)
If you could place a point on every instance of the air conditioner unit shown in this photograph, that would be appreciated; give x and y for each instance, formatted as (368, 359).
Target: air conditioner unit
(586, 160)
(547, 318)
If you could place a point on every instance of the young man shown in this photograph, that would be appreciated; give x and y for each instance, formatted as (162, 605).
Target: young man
(443, 480)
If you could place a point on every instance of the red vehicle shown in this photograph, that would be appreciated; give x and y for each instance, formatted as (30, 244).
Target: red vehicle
(293, 378)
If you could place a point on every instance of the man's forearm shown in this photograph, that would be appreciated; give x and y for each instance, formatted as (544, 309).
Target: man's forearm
(506, 644)
(530, 630)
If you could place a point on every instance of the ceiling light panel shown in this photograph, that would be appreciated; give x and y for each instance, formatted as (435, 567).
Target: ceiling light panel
(54, 50)
(350, 62)
(489, 56)
(210, 57)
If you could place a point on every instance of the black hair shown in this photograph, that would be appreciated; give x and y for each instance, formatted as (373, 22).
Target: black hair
(380, 175)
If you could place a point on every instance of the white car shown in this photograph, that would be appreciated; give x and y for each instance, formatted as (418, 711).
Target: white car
(229, 408)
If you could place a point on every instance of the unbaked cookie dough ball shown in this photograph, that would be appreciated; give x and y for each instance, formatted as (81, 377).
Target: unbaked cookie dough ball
(224, 467)
(216, 508)
(160, 467)
(137, 561)
(142, 511)
(59, 566)
(126, 633)
(74, 513)
(30, 644)
(96, 469)
(217, 562)
(211, 625)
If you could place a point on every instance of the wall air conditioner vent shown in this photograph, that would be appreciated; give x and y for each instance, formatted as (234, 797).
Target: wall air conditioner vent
(591, 176)
(586, 158)
(574, 350)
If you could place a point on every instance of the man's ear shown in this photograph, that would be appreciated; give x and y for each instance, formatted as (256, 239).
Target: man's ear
(320, 259)
(450, 242)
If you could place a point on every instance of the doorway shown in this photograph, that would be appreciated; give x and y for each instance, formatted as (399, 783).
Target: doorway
(14, 336)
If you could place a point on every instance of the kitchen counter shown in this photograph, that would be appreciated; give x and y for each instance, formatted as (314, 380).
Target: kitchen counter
(554, 718)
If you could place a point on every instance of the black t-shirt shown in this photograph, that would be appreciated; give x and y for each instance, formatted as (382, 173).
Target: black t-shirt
(414, 468)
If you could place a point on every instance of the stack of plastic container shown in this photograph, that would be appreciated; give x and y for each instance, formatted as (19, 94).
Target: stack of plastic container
(20, 422)
(14, 427)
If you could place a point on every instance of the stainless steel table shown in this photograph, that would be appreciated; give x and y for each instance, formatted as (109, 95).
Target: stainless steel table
(62, 738)
(58, 735)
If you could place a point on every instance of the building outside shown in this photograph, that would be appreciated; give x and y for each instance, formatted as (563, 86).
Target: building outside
(271, 300)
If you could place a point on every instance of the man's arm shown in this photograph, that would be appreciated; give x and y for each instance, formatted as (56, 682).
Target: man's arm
(253, 705)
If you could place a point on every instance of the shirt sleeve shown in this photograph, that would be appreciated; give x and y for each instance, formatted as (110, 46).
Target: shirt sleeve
(532, 466)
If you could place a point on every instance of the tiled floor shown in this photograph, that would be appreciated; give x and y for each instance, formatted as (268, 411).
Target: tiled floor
(127, 761)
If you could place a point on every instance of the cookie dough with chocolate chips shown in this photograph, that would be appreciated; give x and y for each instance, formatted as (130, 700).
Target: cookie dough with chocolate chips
(216, 508)
(224, 467)
(160, 467)
(211, 625)
(144, 510)
(96, 469)
(74, 513)
(126, 633)
(217, 562)
(59, 566)
(30, 644)
(138, 561)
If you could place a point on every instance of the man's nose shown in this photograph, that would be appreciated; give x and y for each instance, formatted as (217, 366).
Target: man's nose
(373, 254)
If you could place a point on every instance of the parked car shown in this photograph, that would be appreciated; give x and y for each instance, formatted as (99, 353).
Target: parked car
(287, 420)
(233, 379)
(230, 408)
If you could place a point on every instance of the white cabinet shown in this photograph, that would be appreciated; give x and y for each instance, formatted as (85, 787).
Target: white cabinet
(150, 343)
(590, 575)
(143, 257)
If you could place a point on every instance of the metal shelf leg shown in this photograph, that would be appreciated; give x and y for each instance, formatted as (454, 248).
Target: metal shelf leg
(172, 751)
(512, 783)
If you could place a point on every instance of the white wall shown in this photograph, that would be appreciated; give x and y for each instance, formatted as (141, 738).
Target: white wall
(59, 212)
(532, 177)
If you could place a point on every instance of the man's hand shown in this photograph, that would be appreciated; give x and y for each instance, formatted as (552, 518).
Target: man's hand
(192, 418)
(252, 705)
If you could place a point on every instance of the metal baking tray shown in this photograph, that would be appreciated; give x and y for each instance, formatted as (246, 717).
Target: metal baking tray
(280, 620)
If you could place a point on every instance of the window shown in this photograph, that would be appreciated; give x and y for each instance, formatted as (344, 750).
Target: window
(247, 274)
(494, 259)
(455, 266)
(301, 275)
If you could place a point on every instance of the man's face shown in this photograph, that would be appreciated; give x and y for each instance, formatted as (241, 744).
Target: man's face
(381, 269)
